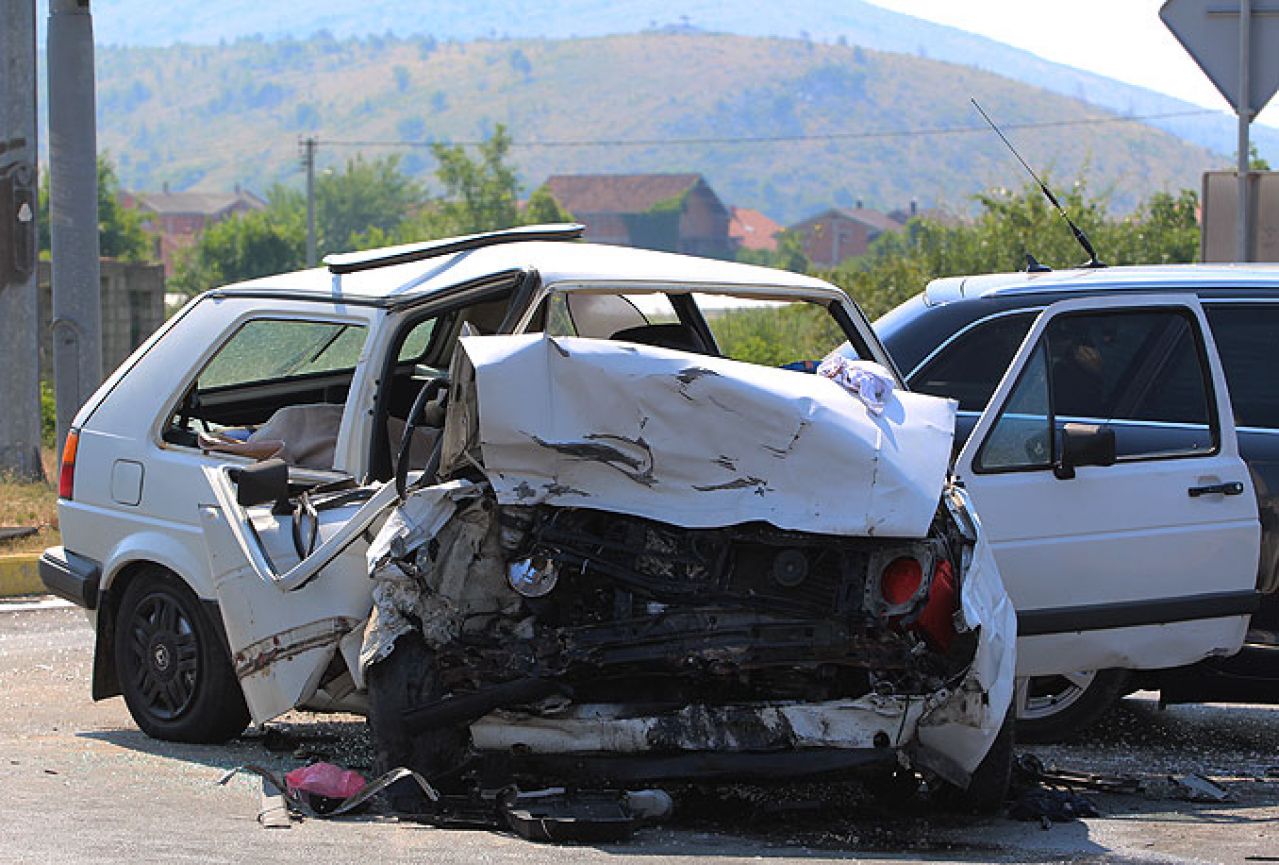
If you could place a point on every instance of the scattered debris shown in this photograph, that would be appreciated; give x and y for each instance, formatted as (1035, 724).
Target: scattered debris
(323, 790)
(323, 786)
(1029, 769)
(1197, 788)
(12, 533)
(273, 812)
(1050, 806)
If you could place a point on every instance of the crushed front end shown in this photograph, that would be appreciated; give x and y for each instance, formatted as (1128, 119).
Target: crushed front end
(569, 607)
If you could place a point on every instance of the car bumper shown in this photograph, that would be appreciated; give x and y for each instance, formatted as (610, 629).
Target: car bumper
(70, 576)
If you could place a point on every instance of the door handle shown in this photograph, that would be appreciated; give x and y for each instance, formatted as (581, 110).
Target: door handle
(1229, 488)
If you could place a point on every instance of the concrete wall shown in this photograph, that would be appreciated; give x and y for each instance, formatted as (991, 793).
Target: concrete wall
(132, 308)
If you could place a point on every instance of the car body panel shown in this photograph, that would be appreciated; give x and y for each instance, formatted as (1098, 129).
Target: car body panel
(1127, 534)
(584, 422)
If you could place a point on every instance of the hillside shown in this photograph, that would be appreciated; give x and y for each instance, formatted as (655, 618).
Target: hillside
(205, 116)
(139, 23)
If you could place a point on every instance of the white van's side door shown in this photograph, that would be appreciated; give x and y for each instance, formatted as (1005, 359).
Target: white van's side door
(1137, 551)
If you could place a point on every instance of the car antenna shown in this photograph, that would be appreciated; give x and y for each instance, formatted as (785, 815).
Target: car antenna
(1078, 232)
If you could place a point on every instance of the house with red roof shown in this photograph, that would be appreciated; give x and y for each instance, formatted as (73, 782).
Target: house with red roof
(175, 219)
(671, 212)
(750, 229)
(839, 234)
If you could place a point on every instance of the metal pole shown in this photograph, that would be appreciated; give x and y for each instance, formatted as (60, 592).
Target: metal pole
(19, 318)
(1244, 221)
(308, 160)
(73, 210)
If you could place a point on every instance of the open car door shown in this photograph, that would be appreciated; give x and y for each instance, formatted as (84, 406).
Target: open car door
(1107, 475)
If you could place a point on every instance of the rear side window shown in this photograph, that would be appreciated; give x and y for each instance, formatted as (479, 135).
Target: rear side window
(969, 368)
(1247, 339)
(269, 350)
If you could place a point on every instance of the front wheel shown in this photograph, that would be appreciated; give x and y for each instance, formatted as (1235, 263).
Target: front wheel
(176, 678)
(988, 785)
(1053, 708)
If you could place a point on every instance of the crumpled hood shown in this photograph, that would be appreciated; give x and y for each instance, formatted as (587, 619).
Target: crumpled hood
(700, 441)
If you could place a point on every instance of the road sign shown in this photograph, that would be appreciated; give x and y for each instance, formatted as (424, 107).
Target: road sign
(1209, 31)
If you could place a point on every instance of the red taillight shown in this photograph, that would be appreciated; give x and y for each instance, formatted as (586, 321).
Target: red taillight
(901, 580)
(937, 621)
(66, 474)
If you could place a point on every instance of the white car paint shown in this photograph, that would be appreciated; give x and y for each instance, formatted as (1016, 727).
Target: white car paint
(1126, 533)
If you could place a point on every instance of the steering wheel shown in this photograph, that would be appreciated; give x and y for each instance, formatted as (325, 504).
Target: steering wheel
(429, 391)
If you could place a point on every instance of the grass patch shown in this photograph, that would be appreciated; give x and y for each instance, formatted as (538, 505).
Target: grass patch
(31, 503)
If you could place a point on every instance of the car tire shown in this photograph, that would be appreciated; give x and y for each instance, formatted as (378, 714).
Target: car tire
(988, 785)
(174, 672)
(1054, 708)
(404, 679)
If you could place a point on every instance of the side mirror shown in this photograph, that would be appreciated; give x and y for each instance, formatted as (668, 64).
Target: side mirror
(260, 483)
(1084, 444)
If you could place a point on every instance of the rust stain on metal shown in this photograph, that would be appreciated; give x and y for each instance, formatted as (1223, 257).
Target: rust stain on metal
(287, 644)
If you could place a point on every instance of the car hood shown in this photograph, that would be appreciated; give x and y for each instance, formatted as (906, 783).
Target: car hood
(702, 441)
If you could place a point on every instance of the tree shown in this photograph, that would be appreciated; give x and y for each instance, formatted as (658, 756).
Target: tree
(245, 246)
(1010, 225)
(366, 196)
(479, 195)
(368, 204)
(543, 208)
(120, 233)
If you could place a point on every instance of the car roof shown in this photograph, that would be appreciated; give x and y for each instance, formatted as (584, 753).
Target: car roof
(555, 261)
(1183, 277)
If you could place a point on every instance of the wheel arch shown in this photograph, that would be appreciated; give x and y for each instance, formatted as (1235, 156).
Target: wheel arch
(106, 679)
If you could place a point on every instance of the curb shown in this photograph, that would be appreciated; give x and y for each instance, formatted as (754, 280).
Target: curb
(19, 575)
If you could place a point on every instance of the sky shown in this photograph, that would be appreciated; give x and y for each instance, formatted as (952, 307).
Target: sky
(1122, 39)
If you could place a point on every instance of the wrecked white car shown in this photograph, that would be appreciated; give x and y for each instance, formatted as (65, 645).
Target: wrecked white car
(523, 507)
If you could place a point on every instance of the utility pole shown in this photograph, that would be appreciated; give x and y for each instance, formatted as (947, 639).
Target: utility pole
(19, 321)
(73, 210)
(308, 162)
(1244, 224)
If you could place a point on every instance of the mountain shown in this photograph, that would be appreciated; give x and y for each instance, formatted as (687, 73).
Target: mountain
(145, 23)
(211, 116)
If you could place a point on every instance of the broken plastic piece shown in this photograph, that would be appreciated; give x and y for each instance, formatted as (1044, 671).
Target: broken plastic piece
(323, 785)
(558, 815)
(1197, 788)
(864, 379)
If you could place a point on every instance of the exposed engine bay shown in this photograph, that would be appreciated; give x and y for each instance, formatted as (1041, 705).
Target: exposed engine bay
(634, 636)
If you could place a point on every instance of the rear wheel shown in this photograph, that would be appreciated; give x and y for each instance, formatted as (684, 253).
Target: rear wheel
(1053, 708)
(176, 678)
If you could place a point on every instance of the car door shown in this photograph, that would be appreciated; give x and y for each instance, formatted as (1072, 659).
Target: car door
(1107, 476)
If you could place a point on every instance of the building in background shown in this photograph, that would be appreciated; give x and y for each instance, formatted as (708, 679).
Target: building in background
(839, 234)
(175, 219)
(750, 229)
(670, 212)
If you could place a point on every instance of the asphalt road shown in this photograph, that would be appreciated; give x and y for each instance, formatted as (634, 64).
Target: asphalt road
(79, 783)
